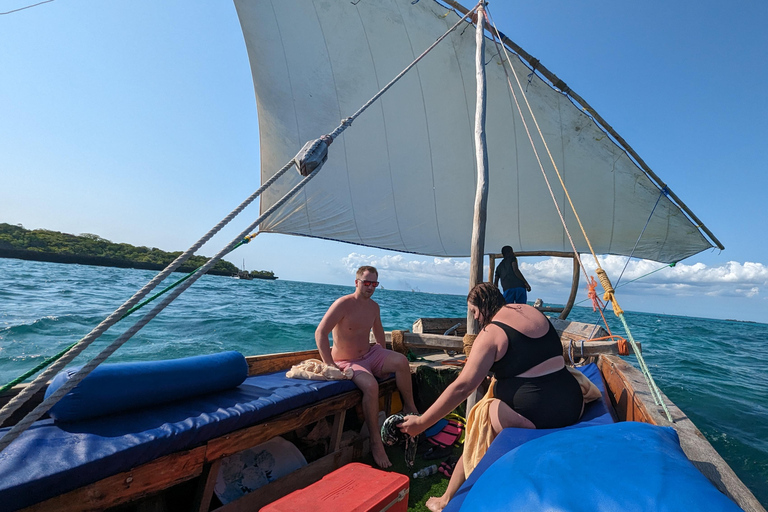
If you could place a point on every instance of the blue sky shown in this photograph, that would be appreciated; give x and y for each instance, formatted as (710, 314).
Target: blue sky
(137, 121)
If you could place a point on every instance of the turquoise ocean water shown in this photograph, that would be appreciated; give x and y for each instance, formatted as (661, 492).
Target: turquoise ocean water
(714, 370)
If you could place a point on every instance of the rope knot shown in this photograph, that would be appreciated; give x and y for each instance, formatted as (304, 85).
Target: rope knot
(398, 342)
(623, 347)
(609, 292)
(467, 341)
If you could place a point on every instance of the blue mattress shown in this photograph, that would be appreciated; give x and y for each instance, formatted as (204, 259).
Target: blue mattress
(619, 467)
(595, 413)
(50, 458)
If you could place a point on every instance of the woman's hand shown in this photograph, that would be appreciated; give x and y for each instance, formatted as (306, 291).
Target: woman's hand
(411, 425)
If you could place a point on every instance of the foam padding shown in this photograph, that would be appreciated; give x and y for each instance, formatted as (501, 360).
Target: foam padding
(620, 467)
(118, 387)
(52, 458)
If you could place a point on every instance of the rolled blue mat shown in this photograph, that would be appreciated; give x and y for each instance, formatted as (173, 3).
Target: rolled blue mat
(118, 387)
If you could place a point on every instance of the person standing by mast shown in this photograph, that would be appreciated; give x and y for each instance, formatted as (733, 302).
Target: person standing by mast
(513, 282)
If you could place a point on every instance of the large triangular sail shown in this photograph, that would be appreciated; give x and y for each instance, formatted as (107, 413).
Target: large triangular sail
(403, 176)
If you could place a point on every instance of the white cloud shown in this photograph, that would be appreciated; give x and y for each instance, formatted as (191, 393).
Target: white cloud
(553, 275)
(404, 272)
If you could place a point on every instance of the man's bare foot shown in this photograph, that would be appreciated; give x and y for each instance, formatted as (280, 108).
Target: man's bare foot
(436, 504)
(380, 455)
(408, 410)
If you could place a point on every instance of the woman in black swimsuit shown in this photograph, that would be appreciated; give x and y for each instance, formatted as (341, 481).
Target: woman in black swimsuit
(533, 389)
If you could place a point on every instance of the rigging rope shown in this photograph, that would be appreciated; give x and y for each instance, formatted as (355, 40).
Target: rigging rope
(609, 294)
(119, 313)
(46, 404)
(53, 358)
(308, 161)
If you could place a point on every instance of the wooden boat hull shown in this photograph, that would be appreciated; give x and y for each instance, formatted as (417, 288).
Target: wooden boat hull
(632, 400)
(197, 468)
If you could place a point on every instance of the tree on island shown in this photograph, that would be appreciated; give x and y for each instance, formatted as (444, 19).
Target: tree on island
(91, 249)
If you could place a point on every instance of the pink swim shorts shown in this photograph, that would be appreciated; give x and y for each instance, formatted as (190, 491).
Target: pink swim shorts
(371, 362)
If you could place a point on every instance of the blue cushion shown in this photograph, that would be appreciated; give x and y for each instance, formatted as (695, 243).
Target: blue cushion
(118, 387)
(53, 458)
(626, 467)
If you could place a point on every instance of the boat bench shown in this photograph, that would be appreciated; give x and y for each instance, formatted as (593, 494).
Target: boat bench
(103, 462)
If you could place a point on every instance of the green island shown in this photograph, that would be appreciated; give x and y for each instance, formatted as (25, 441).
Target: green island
(89, 249)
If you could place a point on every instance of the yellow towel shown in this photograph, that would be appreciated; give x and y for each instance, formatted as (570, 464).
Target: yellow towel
(314, 369)
(479, 433)
(588, 388)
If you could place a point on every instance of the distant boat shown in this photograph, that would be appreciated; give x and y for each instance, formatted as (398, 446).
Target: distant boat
(244, 274)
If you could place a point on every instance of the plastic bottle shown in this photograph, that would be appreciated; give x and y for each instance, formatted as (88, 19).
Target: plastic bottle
(430, 470)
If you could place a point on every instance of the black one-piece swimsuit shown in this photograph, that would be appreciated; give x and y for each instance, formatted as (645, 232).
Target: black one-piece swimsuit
(551, 401)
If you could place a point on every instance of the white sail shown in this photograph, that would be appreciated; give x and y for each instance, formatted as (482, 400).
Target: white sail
(402, 177)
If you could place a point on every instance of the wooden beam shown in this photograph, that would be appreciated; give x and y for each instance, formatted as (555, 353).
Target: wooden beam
(477, 247)
(491, 267)
(125, 487)
(572, 344)
(205, 487)
(574, 288)
(557, 254)
(25, 408)
(274, 362)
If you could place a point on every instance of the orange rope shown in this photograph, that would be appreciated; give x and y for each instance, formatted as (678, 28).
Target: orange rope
(598, 305)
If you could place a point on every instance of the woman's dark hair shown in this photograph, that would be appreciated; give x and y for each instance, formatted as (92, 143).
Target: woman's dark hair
(487, 299)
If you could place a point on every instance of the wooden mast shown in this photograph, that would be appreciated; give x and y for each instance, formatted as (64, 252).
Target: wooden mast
(481, 157)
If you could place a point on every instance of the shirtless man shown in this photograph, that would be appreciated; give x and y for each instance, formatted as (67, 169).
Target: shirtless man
(351, 319)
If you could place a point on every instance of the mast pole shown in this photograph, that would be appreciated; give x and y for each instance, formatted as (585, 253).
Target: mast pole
(481, 157)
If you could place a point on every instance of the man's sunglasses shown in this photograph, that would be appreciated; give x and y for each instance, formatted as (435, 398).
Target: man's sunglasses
(370, 283)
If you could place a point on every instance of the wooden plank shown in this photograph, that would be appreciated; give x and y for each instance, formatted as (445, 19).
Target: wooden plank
(477, 244)
(337, 429)
(566, 328)
(23, 409)
(274, 362)
(205, 486)
(627, 399)
(298, 479)
(571, 340)
(574, 288)
(125, 487)
(633, 401)
(439, 325)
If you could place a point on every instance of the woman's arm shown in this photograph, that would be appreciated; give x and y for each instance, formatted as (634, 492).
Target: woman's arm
(479, 362)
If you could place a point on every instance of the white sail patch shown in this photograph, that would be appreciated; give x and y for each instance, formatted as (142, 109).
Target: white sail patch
(402, 177)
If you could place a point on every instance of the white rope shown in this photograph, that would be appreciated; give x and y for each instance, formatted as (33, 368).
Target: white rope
(41, 409)
(499, 48)
(655, 391)
(40, 381)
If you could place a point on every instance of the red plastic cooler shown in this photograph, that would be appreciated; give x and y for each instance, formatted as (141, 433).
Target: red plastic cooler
(351, 488)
